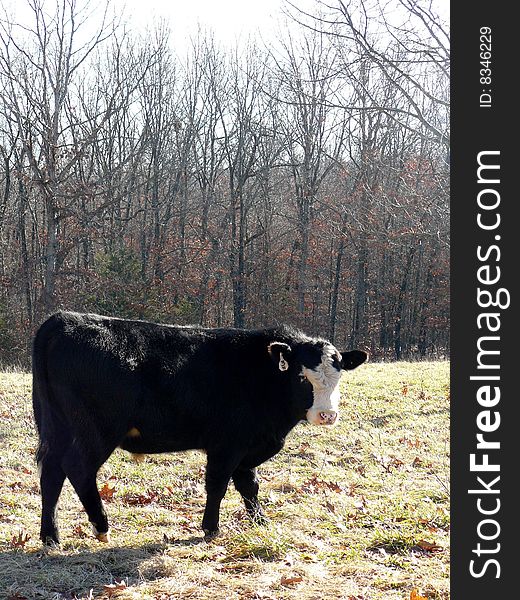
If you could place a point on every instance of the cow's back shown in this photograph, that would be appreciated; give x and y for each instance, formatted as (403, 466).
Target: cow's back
(174, 387)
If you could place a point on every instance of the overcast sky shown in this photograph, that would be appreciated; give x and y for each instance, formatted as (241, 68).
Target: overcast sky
(229, 18)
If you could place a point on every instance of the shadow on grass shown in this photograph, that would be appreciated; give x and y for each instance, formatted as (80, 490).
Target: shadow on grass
(68, 573)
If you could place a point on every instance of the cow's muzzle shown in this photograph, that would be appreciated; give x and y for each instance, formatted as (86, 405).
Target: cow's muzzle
(322, 417)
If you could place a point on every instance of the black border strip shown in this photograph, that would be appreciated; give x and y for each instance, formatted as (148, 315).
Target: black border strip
(477, 127)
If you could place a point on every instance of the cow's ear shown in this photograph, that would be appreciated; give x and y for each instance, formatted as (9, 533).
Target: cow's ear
(351, 360)
(279, 353)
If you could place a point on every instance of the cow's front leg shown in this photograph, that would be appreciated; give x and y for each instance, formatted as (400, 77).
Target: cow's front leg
(218, 474)
(246, 483)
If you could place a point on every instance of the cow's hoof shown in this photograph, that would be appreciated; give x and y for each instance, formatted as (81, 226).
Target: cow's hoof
(102, 536)
(210, 534)
(259, 518)
(50, 541)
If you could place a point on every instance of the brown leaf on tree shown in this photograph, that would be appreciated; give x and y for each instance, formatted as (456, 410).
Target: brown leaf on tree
(291, 580)
(19, 541)
(111, 588)
(414, 595)
(106, 492)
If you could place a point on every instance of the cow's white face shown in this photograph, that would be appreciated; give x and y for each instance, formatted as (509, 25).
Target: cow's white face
(324, 379)
(319, 364)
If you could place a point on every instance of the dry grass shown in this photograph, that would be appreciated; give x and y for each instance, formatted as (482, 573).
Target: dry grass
(358, 512)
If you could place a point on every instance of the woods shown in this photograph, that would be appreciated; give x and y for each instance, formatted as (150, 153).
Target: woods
(302, 180)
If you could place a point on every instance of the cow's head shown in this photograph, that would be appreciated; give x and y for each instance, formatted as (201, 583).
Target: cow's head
(314, 367)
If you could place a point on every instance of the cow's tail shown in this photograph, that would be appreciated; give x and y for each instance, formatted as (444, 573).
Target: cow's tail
(44, 414)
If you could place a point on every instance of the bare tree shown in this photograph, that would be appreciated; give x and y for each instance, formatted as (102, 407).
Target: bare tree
(409, 45)
(38, 63)
(313, 130)
(306, 182)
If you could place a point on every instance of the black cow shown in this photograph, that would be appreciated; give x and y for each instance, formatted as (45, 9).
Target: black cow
(100, 383)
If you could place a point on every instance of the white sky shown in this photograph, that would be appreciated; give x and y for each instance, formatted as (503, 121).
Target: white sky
(229, 19)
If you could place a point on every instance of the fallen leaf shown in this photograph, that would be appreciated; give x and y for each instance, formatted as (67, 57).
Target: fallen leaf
(411, 443)
(314, 485)
(388, 462)
(329, 506)
(304, 447)
(351, 489)
(140, 499)
(20, 540)
(232, 567)
(112, 588)
(428, 546)
(284, 488)
(79, 532)
(414, 595)
(291, 580)
(106, 492)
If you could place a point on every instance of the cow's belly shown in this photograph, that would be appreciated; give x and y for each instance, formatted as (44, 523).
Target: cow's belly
(157, 443)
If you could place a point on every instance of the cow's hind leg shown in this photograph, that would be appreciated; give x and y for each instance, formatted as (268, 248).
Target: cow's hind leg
(52, 478)
(246, 483)
(82, 475)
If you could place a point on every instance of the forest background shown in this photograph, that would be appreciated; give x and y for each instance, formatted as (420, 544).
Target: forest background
(303, 179)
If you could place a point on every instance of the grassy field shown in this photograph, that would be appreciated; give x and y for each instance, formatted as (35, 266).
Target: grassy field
(357, 512)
